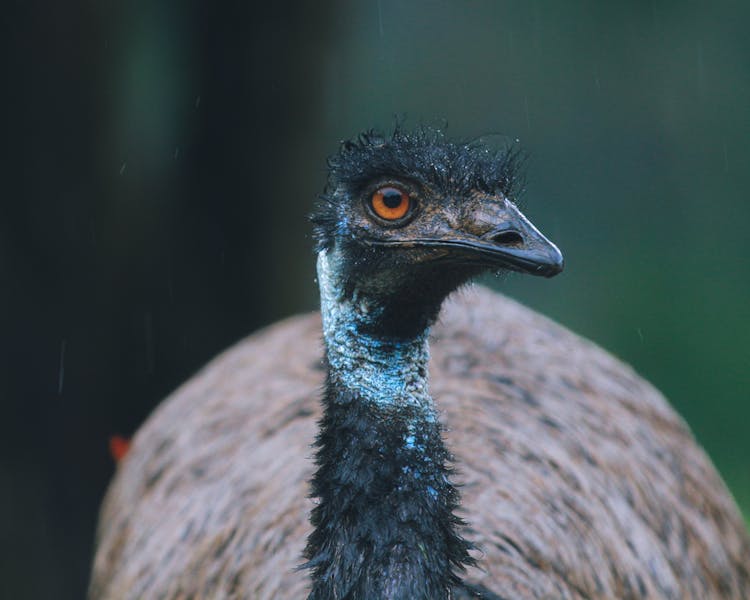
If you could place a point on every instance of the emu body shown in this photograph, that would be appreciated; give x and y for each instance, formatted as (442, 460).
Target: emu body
(576, 479)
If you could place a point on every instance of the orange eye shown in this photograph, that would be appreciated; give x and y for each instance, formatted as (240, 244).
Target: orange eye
(390, 203)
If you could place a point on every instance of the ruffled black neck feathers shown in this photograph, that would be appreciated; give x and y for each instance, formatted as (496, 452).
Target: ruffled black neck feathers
(385, 526)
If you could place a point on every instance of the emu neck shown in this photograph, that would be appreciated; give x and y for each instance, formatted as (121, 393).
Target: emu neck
(382, 369)
(384, 526)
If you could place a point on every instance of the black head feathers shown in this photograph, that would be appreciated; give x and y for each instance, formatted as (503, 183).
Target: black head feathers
(423, 156)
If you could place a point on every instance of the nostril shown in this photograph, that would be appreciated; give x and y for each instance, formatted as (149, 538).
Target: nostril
(508, 238)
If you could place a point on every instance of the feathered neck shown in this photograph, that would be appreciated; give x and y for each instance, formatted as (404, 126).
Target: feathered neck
(385, 525)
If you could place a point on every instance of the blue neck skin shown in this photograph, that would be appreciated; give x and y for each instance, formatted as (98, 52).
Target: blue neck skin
(386, 372)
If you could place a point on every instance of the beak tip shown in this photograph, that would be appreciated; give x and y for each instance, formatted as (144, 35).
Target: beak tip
(554, 266)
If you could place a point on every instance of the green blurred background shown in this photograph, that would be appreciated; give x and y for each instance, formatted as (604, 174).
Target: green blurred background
(162, 156)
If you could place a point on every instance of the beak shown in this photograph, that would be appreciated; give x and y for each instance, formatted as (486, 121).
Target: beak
(504, 236)
(497, 236)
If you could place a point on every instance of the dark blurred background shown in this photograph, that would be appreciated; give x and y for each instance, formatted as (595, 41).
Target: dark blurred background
(161, 158)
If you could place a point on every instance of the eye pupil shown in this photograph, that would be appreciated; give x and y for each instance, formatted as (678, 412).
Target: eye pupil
(392, 198)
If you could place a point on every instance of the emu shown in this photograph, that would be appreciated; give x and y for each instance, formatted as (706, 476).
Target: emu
(544, 468)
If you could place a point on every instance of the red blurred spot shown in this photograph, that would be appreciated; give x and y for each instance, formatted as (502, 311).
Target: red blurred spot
(118, 447)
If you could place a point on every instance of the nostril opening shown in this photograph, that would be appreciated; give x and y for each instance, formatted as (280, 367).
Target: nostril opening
(508, 238)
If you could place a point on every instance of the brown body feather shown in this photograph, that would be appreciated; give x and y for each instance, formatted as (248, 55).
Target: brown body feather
(578, 479)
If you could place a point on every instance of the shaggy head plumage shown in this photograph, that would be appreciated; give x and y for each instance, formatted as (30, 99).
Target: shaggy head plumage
(427, 158)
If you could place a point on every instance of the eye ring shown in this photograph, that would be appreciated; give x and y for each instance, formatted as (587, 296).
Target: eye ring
(391, 204)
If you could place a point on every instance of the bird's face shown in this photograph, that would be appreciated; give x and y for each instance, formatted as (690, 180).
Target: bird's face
(409, 225)
(412, 218)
